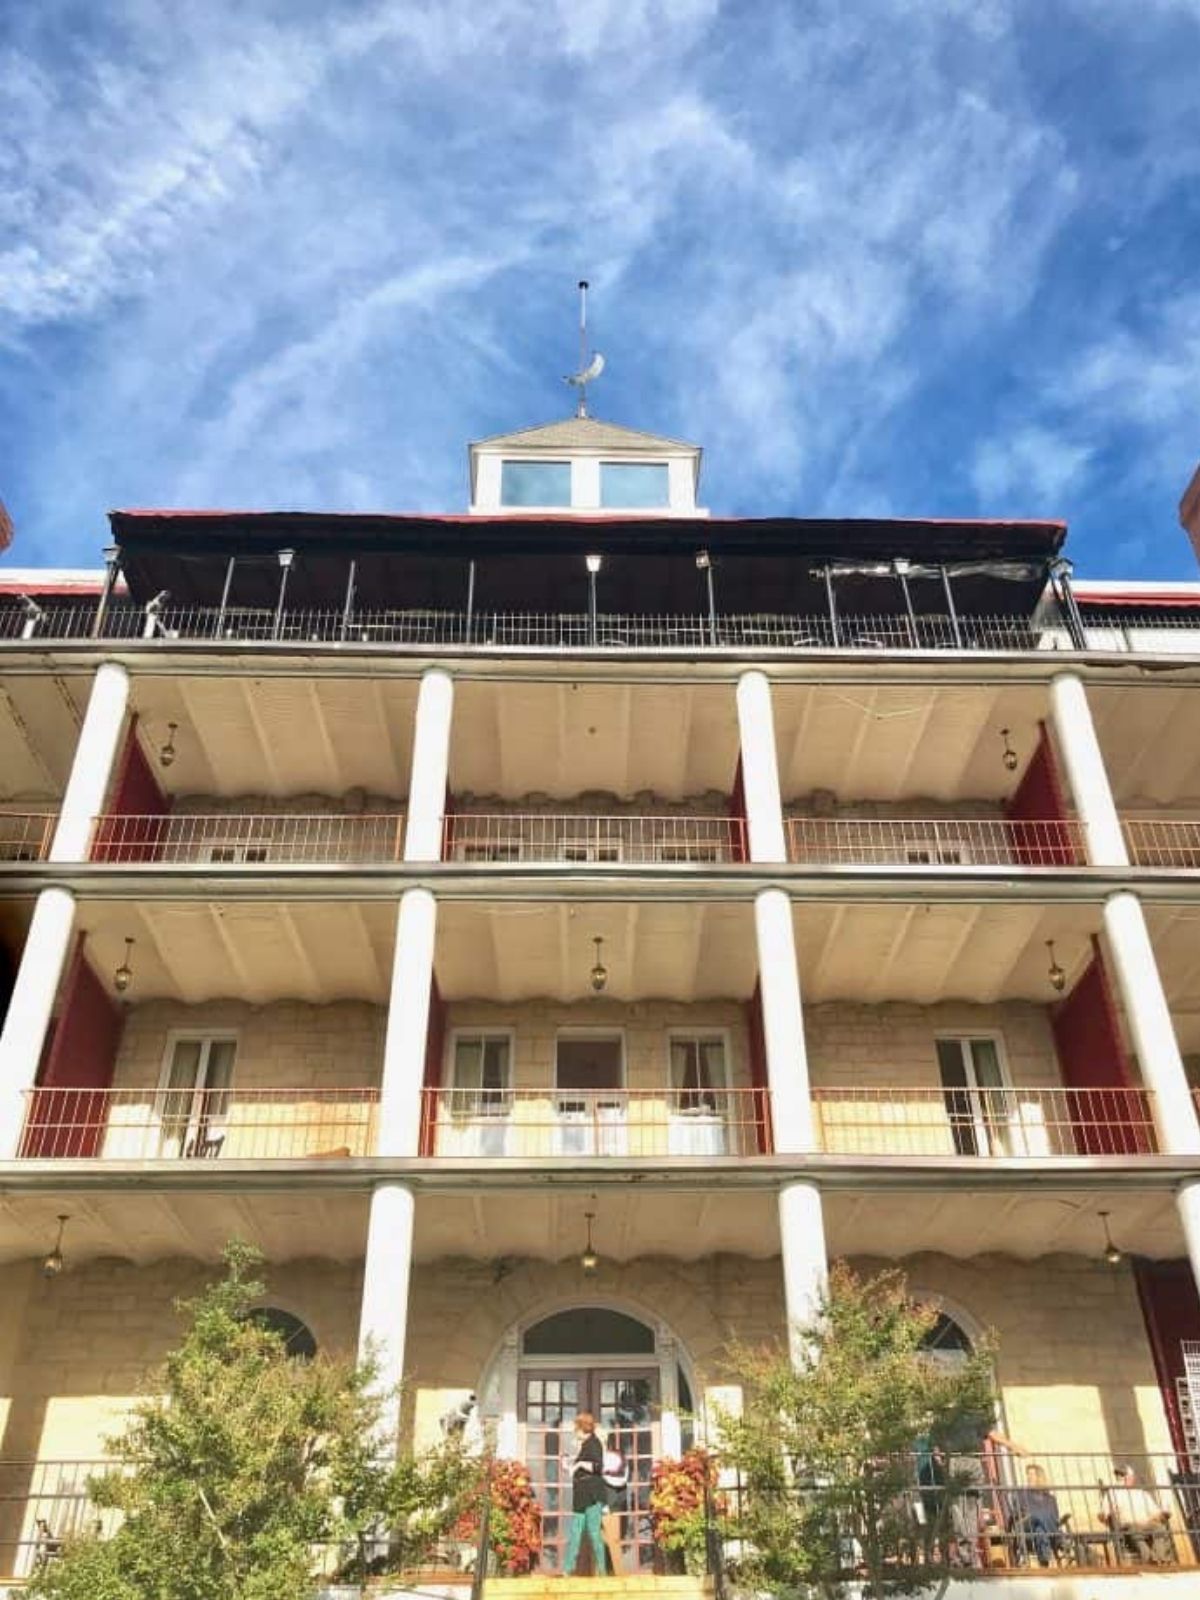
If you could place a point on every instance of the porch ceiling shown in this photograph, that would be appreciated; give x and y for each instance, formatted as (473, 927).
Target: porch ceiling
(896, 742)
(926, 952)
(1150, 736)
(311, 734)
(39, 725)
(562, 739)
(631, 1221)
(652, 950)
(195, 950)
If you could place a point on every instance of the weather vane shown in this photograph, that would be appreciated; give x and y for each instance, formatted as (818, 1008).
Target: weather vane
(587, 369)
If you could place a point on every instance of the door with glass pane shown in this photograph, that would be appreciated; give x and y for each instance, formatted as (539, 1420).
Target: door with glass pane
(480, 1119)
(978, 1097)
(699, 1096)
(626, 1408)
(193, 1100)
(550, 1402)
(590, 1095)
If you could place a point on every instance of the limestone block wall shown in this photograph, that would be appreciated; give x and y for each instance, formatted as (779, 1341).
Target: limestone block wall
(851, 1046)
(287, 1043)
(645, 1026)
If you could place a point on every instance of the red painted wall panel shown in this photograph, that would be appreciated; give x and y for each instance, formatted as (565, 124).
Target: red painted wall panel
(435, 1048)
(1038, 804)
(1091, 1058)
(1171, 1308)
(760, 1100)
(136, 792)
(81, 1057)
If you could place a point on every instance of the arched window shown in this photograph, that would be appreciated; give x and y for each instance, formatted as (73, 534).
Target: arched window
(297, 1338)
(588, 1330)
(947, 1337)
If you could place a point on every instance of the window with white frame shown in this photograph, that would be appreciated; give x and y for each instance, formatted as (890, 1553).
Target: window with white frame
(977, 1093)
(535, 483)
(634, 485)
(699, 1073)
(482, 1073)
(193, 1096)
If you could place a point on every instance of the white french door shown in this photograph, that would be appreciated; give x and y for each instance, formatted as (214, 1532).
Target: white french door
(193, 1097)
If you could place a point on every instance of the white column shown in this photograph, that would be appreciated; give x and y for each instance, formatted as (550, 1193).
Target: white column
(92, 767)
(670, 1428)
(383, 1324)
(1083, 764)
(38, 976)
(1149, 1016)
(430, 768)
(508, 1429)
(805, 1264)
(760, 768)
(783, 1024)
(407, 1026)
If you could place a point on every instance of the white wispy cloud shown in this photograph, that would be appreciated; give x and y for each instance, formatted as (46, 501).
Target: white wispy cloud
(298, 253)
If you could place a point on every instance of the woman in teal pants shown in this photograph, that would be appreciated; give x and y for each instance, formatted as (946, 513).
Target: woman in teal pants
(587, 1497)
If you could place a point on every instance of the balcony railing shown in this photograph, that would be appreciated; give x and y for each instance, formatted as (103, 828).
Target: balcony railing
(198, 1125)
(545, 1124)
(1040, 1513)
(229, 839)
(26, 835)
(499, 836)
(897, 1120)
(934, 842)
(568, 630)
(1161, 842)
(42, 1505)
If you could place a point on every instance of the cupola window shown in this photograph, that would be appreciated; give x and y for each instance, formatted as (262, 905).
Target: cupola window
(634, 485)
(535, 483)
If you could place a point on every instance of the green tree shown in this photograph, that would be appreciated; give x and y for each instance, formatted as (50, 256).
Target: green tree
(827, 1449)
(248, 1472)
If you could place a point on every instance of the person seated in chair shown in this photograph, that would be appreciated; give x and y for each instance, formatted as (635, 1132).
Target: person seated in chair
(1136, 1519)
(1036, 1521)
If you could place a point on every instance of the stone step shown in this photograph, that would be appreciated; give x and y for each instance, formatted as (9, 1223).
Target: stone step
(636, 1586)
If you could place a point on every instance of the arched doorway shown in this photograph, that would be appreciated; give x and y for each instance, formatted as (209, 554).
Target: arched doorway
(623, 1369)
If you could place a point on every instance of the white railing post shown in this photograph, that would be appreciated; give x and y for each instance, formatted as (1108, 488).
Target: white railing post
(383, 1320)
(43, 959)
(92, 768)
(1083, 765)
(1149, 1018)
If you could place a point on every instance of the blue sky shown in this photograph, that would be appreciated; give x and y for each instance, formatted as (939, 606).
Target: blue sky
(920, 257)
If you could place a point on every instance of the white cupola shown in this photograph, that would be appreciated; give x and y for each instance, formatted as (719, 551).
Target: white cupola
(582, 466)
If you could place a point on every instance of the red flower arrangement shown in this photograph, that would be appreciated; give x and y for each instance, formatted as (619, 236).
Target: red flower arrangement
(514, 1519)
(677, 1509)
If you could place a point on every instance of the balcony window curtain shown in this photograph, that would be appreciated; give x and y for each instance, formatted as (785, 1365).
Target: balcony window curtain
(697, 1075)
(481, 1075)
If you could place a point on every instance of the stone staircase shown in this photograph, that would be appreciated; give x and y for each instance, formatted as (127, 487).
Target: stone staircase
(635, 1587)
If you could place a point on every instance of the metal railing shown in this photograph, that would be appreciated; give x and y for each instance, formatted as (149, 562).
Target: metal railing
(897, 1120)
(198, 1124)
(26, 835)
(997, 1510)
(1162, 842)
(935, 842)
(44, 1504)
(231, 839)
(568, 630)
(513, 836)
(545, 1124)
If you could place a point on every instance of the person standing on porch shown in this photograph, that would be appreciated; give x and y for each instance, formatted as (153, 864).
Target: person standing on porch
(588, 1498)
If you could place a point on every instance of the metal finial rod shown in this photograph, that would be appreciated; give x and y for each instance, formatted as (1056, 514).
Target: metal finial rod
(581, 409)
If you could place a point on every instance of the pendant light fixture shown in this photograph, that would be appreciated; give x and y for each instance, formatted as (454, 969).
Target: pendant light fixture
(1111, 1254)
(123, 976)
(1056, 975)
(599, 971)
(166, 756)
(1010, 756)
(589, 1260)
(53, 1265)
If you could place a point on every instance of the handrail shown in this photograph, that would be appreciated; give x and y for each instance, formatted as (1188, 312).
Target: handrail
(580, 839)
(1009, 1122)
(230, 838)
(26, 835)
(937, 842)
